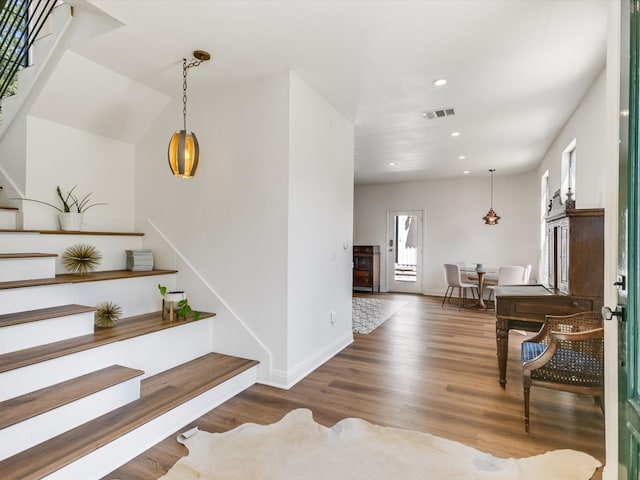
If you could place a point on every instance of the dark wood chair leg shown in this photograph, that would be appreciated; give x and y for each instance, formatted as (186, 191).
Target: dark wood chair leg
(526, 383)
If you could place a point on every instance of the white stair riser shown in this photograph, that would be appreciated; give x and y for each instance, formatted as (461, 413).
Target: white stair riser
(135, 295)
(33, 268)
(8, 218)
(35, 430)
(112, 248)
(151, 353)
(32, 334)
(14, 300)
(102, 461)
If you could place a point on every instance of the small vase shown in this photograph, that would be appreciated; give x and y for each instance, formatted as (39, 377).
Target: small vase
(71, 221)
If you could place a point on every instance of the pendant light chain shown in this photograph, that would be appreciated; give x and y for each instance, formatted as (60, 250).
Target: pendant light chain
(185, 68)
(184, 93)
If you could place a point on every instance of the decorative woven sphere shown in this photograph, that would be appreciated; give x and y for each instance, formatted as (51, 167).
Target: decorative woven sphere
(107, 314)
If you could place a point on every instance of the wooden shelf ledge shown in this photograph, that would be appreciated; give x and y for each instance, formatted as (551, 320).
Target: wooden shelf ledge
(18, 318)
(89, 277)
(73, 232)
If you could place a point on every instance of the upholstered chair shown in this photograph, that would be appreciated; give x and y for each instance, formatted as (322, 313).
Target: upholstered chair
(454, 280)
(567, 354)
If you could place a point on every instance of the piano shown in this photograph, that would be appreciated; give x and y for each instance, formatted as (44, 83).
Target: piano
(524, 307)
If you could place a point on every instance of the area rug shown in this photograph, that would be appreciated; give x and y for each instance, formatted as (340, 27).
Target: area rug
(298, 448)
(369, 313)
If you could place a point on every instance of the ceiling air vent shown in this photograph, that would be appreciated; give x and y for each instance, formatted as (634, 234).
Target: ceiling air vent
(438, 113)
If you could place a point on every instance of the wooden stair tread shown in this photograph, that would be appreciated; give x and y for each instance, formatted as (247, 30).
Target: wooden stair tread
(34, 403)
(126, 328)
(12, 209)
(165, 391)
(6, 256)
(18, 318)
(88, 277)
(72, 232)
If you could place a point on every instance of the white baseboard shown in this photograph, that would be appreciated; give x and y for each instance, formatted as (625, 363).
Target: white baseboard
(286, 380)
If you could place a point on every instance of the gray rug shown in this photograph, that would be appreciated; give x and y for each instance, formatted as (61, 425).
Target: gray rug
(370, 313)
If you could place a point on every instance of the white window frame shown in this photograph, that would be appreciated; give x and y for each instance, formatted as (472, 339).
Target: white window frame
(568, 171)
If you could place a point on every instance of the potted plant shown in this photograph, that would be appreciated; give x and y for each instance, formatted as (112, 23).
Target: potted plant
(72, 209)
(174, 302)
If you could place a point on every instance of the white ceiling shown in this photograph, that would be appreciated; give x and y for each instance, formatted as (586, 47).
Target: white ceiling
(516, 68)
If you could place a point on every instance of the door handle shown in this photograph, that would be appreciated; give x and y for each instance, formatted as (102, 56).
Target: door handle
(608, 314)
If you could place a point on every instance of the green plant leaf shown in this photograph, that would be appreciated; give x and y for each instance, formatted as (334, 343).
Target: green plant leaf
(163, 289)
(196, 315)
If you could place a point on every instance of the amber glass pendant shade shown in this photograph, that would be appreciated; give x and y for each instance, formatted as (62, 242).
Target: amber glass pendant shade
(184, 154)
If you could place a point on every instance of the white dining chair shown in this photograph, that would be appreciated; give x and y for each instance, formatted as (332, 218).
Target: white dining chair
(507, 275)
(464, 276)
(453, 279)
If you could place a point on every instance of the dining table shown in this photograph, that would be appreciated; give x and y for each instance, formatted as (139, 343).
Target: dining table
(480, 272)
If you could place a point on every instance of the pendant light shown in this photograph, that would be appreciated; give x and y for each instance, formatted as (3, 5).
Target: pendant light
(184, 152)
(491, 218)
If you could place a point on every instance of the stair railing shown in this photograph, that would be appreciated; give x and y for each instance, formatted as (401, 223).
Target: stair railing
(20, 24)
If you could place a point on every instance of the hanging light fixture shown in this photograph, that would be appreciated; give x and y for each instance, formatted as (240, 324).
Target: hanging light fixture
(184, 152)
(491, 218)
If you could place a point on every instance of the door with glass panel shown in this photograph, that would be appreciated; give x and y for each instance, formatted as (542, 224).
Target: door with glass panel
(404, 251)
(626, 311)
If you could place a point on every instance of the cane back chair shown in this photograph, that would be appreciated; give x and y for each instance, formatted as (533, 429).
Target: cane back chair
(566, 354)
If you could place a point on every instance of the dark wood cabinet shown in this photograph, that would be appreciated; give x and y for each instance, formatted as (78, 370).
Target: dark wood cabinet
(576, 252)
(366, 267)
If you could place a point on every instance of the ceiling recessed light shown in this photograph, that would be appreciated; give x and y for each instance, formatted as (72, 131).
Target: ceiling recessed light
(440, 82)
(392, 164)
(455, 134)
(462, 157)
(466, 172)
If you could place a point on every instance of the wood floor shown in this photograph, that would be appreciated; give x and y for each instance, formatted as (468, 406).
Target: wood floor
(427, 368)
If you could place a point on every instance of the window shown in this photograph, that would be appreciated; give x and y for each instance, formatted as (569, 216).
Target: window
(568, 171)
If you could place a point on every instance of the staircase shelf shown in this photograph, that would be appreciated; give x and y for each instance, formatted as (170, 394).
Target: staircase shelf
(78, 401)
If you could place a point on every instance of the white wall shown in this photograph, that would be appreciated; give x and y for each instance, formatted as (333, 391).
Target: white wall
(321, 143)
(240, 230)
(98, 165)
(587, 126)
(453, 226)
(230, 221)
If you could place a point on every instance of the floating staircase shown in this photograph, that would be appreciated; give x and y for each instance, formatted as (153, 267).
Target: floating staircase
(78, 401)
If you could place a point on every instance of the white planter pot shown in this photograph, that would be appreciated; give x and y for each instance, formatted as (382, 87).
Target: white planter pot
(70, 221)
(173, 296)
(170, 304)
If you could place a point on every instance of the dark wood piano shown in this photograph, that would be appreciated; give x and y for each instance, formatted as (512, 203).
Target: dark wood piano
(575, 276)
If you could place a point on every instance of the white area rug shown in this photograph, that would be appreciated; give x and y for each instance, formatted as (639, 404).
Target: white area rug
(369, 313)
(297, 448)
